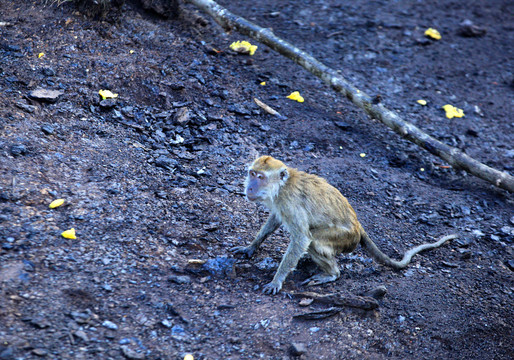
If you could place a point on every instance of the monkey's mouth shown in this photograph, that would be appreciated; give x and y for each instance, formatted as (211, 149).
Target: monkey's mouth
(252, 198)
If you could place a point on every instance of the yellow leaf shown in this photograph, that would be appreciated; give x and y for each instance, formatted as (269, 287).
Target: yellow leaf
(296, 96)
(363, 155)
(433, 33)
(422, 102)
(452, 111)
(106, 94)
(243, 47)
(189, 357)
(131, 51)
(263, 83)
(56, 203)
(40, 55)
(69, 234)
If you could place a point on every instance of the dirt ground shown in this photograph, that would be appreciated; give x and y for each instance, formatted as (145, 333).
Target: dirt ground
(154, 179)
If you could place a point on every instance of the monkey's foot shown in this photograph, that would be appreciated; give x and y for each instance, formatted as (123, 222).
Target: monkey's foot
(271, 288)
(319, 279)
(244, 250)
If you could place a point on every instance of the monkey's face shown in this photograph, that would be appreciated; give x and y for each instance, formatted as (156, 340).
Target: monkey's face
(256, 185)
(265, 178)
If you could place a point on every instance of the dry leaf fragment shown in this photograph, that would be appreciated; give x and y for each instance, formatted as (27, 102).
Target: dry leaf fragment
(433, 33)
(107, 94)
(40, 55)
(69, 234)
(56, 203)
(295, 95)
(422, 102)
(452, 111)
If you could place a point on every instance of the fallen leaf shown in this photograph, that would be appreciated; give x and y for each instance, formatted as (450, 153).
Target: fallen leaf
(452, 111)
(243, 47)
(433, 33)
(363, 155)
(422, 102)
(69, 234)
(107, 94)
(56, 203)
(40, 55)
(296, 96)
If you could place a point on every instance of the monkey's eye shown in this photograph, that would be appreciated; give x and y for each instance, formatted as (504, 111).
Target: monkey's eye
(252, 173)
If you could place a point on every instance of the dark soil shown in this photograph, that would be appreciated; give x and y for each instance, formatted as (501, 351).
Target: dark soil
(154, 179)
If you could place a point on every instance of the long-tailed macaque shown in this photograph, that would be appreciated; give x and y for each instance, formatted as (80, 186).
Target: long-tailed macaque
(318, 218)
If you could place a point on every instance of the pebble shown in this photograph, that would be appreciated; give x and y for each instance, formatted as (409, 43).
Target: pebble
(298, 349)
(81, 335)
(166, 162)
(40, 352)
(266, 264)
(110, 325)
(18, 149)
(45, 95)
(180, 279)
(131, 354)
(47, 129)
(28, 108)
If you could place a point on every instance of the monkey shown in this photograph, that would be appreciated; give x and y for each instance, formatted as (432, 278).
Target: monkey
(318, 218)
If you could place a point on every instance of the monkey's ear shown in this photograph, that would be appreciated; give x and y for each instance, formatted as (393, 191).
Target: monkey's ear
(284, 175)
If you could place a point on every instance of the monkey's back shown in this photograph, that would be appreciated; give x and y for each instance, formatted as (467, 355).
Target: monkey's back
(311, 201)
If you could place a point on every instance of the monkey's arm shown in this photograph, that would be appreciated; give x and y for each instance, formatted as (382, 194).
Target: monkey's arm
(267, 229)
(297, 247)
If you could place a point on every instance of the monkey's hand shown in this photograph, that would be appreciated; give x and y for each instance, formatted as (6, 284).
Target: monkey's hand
(272, 288)
(245, 250)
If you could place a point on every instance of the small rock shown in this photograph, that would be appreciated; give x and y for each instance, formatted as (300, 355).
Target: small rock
(81, 335)
(221, 265)
(342, 125)
(28, 108)
(463, 242)
(468, 29)
(6, 353)
(306, 302)
(40, 352)
(48, 71)
(107, 103)
(180, 279)
(298, 349)
(182, 117)
(507, 230)
(166, 162)
(18, 149)
(510, 264)
(47, 129)
(401, 319)
(167, 323)
(40, 323)
(178, 333)
(266, 264)
(110, 325)
(46, 95)
(131, 354)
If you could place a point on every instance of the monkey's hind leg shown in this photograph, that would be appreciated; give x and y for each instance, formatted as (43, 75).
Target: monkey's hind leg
(327, 262)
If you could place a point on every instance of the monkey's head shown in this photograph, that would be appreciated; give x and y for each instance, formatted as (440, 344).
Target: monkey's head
(265, 177)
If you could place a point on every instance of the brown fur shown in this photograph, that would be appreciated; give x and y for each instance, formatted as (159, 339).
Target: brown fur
(318, 217)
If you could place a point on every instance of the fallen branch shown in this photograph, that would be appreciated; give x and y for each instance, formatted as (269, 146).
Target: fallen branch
(453, 156)
(340, 300)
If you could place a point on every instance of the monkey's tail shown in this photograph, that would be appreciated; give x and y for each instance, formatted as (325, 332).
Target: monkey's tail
(383, 259)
